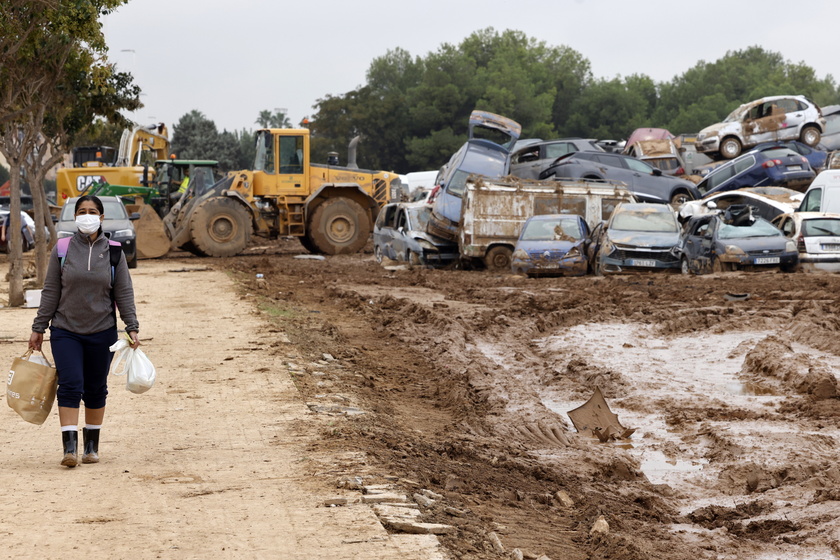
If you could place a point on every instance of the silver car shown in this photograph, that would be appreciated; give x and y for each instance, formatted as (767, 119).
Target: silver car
(400, 235)
(769, 119)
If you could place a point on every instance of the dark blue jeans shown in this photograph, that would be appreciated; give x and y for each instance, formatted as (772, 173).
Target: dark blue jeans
(82, 362)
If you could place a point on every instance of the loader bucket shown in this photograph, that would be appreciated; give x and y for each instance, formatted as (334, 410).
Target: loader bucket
(152, 241)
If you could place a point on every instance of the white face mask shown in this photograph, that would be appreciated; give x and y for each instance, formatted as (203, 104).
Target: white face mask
(87, 223)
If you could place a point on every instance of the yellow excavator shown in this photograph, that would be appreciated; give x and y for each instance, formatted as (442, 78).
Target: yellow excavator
(330, 208)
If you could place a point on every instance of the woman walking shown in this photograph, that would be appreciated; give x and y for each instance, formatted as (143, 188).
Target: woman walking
(85, 279)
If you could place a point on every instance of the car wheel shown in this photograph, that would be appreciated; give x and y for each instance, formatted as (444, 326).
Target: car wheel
(717, 266)
(679, 198)
(413, 259)
(684, 268)
(810, 135)
(730, 148)
(377, 253)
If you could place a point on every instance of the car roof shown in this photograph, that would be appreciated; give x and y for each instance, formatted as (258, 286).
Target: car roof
(554, 217)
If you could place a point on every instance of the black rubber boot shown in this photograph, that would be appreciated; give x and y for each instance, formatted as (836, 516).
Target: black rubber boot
(71, 445)
(91, 446)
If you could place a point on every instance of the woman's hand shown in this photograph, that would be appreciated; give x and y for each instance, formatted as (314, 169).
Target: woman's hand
(35, 341)
(135, 341)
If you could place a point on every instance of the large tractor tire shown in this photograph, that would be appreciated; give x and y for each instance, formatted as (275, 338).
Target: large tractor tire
(339, 226)
(307, 243)
(220, 227)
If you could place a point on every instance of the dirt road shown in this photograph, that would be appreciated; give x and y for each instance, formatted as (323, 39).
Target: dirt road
(454, 388)
(219, 460)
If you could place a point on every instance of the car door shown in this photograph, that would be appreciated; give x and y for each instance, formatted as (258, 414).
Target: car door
(645, 181)
(387, 232)
(794, 118)
(400, 235)
(762, 123)
(693, 242)
(612, 168)
(812, 201)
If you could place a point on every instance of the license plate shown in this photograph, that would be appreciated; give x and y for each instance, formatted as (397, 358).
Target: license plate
(795, 167)
(766, 260)
(550, 265)
(831, 247)
(641, 262)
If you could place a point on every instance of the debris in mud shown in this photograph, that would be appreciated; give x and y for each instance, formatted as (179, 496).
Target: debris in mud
(594, 417)
(335, 409)
(736, 297)
(311, 257)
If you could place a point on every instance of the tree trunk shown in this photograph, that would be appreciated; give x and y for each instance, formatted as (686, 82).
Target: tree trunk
(14, 238)
(39, 203)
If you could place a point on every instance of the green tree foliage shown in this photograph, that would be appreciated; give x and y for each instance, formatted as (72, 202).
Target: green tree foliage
(196, 137)
(412, 113)
(277, 119)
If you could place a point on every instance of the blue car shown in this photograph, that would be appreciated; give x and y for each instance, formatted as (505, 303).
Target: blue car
(478, 156)
(552, 244)
(816, 156)
(777, 166)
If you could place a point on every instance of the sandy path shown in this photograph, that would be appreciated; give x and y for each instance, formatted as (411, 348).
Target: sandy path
(214, 461)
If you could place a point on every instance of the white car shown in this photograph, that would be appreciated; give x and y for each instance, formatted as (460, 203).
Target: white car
(817, 238)
(767, 202)
(769, 119)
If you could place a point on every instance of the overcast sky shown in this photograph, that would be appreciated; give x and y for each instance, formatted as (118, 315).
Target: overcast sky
(230, 60)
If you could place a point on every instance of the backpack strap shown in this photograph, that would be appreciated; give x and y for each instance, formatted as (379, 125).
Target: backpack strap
(61, 246)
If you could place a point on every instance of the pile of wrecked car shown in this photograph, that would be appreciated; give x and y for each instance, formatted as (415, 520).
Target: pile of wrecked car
(574, 206)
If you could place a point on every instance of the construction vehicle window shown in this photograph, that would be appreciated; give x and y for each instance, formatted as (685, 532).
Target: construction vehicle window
(291, 154)
(265, 154)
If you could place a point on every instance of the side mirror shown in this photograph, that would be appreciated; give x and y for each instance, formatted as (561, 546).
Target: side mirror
(401, 229)
(134, 216)
(657, 172)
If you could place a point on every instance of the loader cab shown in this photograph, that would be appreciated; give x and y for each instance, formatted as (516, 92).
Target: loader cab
(281, 162)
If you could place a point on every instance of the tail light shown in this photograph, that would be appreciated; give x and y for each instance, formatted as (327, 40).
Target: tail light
(64, 196)
(800, 243)
(804, 159)
(771, 163)
(680, 171)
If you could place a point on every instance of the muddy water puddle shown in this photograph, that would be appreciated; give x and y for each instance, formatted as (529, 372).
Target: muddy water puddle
(730, 421)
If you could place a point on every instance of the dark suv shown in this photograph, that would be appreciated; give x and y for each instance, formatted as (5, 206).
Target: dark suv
(647, 183)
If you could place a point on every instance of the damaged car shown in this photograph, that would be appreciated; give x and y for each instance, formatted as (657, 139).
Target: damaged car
(400, 235)
(766, 202)
(552, 244)
(777, 166)
(647, 183)
(530, 161)
(817, 238)
(769, 119)
(478, 156)
(639, 237)
(734, 239)
(661, 154)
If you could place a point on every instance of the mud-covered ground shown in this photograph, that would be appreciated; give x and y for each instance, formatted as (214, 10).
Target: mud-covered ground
(460, 381)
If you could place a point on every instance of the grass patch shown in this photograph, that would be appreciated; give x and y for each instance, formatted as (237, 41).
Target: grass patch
(277, 311)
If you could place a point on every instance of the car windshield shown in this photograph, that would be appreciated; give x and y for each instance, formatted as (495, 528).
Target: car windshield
(735, 115)
(664, 164)
(114, 210)
(552, 230)
(419, 217)
(642, 220)
(821, 227)
(759, 228)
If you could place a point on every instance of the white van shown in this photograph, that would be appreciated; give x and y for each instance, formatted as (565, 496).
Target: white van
(824, 193)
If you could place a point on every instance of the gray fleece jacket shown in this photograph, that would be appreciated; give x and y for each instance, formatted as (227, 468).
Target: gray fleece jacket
(77, 296)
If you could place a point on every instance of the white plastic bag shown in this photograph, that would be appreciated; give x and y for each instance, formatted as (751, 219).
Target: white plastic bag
(137, 368)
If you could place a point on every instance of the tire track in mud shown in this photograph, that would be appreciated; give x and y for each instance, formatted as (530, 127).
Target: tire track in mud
(479, 335)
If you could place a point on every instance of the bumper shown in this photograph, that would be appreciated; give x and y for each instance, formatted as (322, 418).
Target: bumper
(574, 266)
(783, 259)
(711, 144)
(440, 258)
(612, 264)
(819, 263)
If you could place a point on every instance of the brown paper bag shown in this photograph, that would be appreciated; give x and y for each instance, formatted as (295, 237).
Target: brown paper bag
(30, 388)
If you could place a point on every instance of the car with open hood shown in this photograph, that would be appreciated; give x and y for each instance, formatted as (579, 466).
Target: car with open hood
(766, 202)
(734, 239)
(639, 237)
(769, 119)
(552, 245)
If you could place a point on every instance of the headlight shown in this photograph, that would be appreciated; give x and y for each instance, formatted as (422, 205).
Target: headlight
(123, 233)
(573, 252)
(607, 248)
(790, 247)
(733, 250)
(61, 234)
(521, 255)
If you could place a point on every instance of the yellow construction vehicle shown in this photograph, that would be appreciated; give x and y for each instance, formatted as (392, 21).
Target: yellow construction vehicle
(331, 209)
(139, 148)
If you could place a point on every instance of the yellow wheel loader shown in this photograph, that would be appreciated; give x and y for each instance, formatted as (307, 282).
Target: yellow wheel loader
(331, 209)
